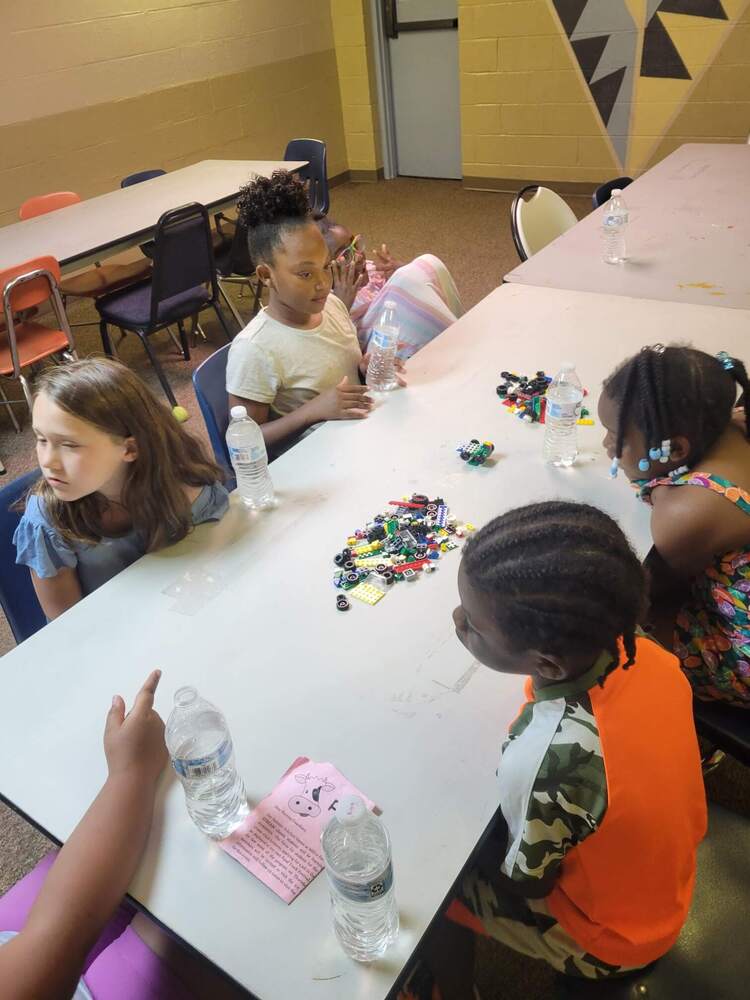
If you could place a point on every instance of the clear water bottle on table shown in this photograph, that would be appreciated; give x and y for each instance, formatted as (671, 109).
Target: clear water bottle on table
(202, 754)
(614, 225)
(247, 451)
(357, 854)
(381, 369)
(564, 396)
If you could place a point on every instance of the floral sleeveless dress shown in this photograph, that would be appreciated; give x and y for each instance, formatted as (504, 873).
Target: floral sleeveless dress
(712, 630)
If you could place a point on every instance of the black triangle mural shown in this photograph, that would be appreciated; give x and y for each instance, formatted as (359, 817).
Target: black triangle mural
(605, 92)
(588, 53)
(660, 57)
(569, 12)
(696, 8)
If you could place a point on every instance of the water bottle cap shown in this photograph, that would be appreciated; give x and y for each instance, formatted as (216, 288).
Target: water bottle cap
(351, 810)
(616, 191)
(389, 304)
(185, 696)
(238, 413)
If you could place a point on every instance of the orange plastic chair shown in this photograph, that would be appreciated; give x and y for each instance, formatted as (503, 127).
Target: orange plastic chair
(99, 280)
(40, 204)
(24, 342)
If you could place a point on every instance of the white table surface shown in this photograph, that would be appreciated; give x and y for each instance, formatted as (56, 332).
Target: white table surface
(98, 227)
(688, 239)
(387, 694)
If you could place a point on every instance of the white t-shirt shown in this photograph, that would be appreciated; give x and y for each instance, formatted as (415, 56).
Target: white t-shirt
(270, 362)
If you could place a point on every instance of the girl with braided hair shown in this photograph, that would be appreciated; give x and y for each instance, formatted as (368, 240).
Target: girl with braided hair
(671, 420)
(591, 861)
(298, 362)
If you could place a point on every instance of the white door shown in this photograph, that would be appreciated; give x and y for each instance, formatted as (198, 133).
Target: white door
(422, 38)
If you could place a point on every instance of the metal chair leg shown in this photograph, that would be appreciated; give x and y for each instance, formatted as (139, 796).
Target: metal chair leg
(256, 300)
(174, 339)
(11, 414)
(223, 322)
(158, 369)
(231, 305)
(183, 340)
(106, 342)
(26, 392)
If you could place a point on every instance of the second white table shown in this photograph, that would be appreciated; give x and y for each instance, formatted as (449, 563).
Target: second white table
(688, 239)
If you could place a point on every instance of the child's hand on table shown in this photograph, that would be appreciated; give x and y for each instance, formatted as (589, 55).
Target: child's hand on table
(344, 401)
(134, 743)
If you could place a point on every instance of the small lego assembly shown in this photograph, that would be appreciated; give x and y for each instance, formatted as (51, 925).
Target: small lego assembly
(476, 452)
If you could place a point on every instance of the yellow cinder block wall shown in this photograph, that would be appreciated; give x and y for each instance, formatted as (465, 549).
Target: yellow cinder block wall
(354, 58)
(527, 112)
(96, 89)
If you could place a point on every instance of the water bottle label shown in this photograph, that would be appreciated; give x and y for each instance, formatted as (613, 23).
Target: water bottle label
(202, 767)
(243, 456)
(381, 339)
(561, 411)
(363, 892)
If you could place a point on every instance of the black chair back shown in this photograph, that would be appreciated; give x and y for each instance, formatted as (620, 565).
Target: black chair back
(183, 255)
(240, 260)
(141, 176)
(604, 192)
(316, 172)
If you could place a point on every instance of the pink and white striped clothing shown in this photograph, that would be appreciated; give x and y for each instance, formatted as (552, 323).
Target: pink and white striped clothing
(426, 299)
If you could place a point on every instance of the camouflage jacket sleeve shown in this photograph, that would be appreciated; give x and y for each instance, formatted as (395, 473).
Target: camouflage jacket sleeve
(567, 799)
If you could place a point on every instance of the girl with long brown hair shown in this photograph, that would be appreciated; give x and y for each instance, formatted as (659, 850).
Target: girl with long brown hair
(120, 477)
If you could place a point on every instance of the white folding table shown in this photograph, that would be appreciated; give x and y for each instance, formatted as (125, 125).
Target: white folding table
(245, 610)
(688, 239)
(99, 227)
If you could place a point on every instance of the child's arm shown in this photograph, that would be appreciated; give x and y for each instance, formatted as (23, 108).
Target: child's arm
(96, 864)
(57, 593)
(343, 402)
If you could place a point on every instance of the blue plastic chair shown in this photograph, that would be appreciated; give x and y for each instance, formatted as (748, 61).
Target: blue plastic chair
(140, 176)
(210, 384)
(604, 192)
(316, 171)
(17, 597)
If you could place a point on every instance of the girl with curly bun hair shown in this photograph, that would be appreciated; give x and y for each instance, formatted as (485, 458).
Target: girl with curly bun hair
(298, 362)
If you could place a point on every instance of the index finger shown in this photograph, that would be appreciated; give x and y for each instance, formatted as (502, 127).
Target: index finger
(144, 700)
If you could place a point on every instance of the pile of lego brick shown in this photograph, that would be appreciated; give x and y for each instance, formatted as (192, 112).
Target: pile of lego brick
(397, 545)
(525, 396)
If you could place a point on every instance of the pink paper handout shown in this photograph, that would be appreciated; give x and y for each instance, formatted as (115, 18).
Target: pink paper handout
(279, 842)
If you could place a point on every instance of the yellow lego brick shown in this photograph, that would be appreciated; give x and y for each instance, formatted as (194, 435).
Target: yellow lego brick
(366, 593)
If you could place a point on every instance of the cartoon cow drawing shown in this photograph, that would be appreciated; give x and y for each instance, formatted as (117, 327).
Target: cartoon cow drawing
(307, 804)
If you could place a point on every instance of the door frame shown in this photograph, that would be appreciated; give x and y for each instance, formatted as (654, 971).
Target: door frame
(384, 87)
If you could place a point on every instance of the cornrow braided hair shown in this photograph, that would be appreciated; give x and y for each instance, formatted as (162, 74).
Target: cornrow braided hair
(268, 207)
(562, 577)
(677, 391)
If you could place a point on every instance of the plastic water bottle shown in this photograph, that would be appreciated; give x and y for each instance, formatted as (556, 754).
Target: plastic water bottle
(564, 396)
(357, 855)
(202, 754)
(614, 224)
(381, 370)
(247, 450)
